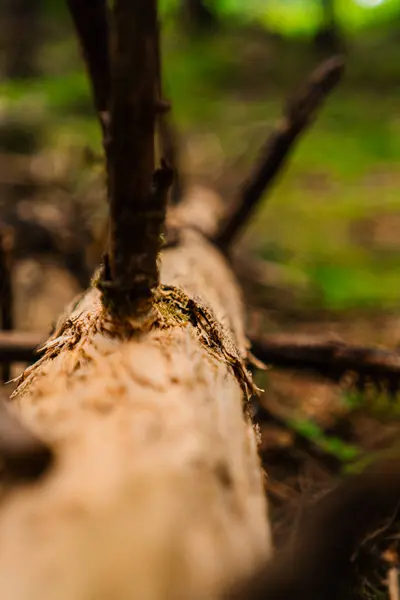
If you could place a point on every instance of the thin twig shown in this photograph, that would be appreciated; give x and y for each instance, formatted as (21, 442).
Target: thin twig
(90, 20)
(6, 292)
(137, 199)
(22, 454)
(299, 113)
(331, 359)
(20, 346)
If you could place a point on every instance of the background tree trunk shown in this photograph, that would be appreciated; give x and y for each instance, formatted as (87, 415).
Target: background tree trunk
(20, 36)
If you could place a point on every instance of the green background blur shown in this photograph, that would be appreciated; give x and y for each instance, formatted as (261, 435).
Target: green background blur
(333, 219)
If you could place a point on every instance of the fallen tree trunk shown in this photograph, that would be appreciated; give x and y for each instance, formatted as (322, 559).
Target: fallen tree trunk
(157, 490)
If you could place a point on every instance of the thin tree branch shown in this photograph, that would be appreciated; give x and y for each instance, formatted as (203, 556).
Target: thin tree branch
(298, 115)
(137, 199)
(90, 20)
(6, 291)
(330, 359)
(22, 454)
(20, 346)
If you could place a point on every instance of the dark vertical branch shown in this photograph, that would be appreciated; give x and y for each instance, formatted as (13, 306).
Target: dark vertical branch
(299, 113)
(6, 291)
(328, 38)
(91, 23)
(137, 199)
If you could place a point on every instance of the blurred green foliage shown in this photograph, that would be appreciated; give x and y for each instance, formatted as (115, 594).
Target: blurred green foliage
(299, 17)
(304, 16)
(324, 217)
(334, 446)
(289, 17)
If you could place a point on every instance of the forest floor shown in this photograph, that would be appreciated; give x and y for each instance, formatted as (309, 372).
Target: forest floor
(329, 230)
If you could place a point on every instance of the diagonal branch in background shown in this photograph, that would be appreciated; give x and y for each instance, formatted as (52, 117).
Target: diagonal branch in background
(6, 291)
(298, 115)
(331, 359)
(137, 195)
(90, 20)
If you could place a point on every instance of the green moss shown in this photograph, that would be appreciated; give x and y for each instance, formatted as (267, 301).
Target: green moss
(173, 310)
(329, 444)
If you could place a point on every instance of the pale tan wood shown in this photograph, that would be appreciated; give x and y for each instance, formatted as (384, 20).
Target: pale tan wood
(157, 492)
